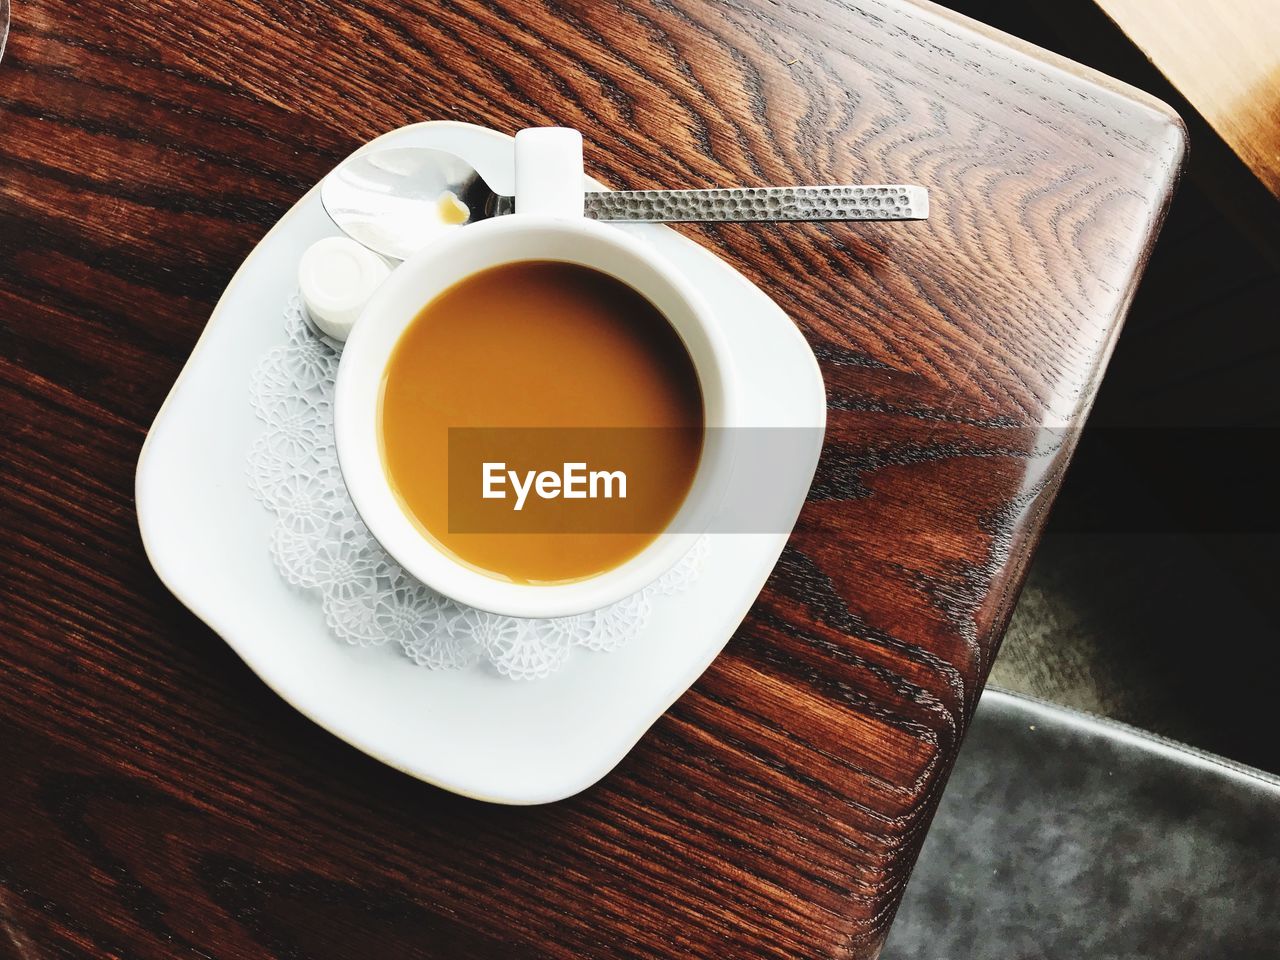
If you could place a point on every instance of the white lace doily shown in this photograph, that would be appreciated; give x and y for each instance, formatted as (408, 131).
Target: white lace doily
(319, 543)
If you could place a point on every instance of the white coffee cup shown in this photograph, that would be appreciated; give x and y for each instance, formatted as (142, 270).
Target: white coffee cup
(513, 238)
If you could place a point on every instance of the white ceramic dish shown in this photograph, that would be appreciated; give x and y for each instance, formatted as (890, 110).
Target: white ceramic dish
(472, 732)
(466, 251)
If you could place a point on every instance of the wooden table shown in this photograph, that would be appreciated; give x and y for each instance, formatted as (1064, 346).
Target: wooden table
(159, 801)
(1224, 57)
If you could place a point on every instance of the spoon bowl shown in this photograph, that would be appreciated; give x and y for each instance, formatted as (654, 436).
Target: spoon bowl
(397, 200)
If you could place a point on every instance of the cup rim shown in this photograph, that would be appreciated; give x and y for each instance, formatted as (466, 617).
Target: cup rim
(360, 372)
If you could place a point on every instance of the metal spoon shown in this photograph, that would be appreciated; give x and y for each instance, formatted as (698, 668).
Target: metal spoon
(394, 200)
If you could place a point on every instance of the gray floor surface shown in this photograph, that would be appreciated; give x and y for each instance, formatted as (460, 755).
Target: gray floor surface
(1156, 630)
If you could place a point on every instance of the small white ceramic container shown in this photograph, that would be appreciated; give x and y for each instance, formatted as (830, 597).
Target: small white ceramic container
(490, 243)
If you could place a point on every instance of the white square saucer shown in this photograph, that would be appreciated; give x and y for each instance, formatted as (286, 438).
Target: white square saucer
(472, 731)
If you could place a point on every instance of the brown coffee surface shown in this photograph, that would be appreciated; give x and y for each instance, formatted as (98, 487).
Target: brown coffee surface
(559, 347)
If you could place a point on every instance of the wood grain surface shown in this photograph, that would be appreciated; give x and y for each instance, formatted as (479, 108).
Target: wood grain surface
(161, 802)
(1224, 57)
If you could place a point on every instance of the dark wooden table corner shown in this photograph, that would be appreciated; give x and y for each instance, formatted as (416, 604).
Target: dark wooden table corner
(161, 802)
